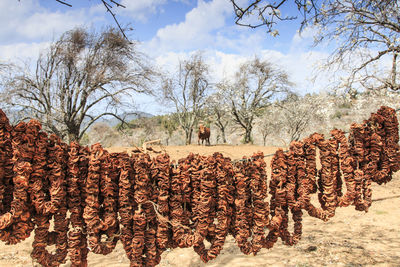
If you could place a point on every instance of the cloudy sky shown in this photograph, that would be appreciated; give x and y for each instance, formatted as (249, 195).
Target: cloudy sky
(167, 31)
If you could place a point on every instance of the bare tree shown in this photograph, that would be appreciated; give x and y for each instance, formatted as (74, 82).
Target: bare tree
(366, 34)
(269, 124)
(291, 118)
(80, 78)
(296, 114)
(187, 91)
(219, 109)
(256, 83)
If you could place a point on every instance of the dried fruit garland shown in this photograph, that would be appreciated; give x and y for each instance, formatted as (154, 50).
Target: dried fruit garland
(77, 243)
(154, 204)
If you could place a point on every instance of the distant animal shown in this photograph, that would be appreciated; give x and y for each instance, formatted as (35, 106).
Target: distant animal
(204, 134)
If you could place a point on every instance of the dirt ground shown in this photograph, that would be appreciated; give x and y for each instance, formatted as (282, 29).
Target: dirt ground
(177, 152)
(351, 238)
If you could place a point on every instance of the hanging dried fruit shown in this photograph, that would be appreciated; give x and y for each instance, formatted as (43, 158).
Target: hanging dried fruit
(154, 204)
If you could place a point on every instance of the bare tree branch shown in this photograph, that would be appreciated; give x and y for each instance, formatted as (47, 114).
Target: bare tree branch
(218, 108)
(99, 116)
(64, 3)
(262, 13)
(108, 4)
(108, 7)
(366, 30)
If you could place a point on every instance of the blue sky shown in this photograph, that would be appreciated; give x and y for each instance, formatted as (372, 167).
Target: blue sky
(168, 31)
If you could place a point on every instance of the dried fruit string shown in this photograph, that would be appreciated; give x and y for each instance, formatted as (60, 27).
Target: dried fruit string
(153, 204)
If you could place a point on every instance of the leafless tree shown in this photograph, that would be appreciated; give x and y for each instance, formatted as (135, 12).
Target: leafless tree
(256, 83)
(296, 115)
(269, 124)
(219, 109)
(366, 34)
(291, 118)
(80, 78)
(187, 91)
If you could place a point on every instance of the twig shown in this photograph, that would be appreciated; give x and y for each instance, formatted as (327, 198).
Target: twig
(64, 3)
(117, 4)
(108, 7)
(149, 142)
(164, 219)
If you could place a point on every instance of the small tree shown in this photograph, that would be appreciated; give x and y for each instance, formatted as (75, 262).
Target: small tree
(219, 110)
(256, 83)
(269, 124)
(187, 91)
(169, 125)
(296, 115)
(289, 119)
(80, 78)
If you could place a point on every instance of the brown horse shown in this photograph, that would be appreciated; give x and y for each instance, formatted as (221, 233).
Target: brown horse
(204, 134)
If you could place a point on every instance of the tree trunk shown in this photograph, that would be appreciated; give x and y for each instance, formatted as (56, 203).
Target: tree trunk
(247, 135)
(73, 133)
(223, 135)
(188, 136)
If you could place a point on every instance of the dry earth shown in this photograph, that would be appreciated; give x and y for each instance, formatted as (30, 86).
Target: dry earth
(351, 238)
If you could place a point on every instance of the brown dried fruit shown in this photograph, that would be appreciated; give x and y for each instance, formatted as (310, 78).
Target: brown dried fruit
(153, 204)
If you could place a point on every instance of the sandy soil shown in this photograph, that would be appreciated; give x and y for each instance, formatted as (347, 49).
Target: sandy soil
(351, 238)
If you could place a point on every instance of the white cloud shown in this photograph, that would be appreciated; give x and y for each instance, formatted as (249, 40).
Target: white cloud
(304, 37)
(170, 60)
(241, 40)
(141, 9)
(233, 46)
(301, 67)
(29, 21)
(20, 52)
(28, 27)
(223, 65)
(197, 31)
